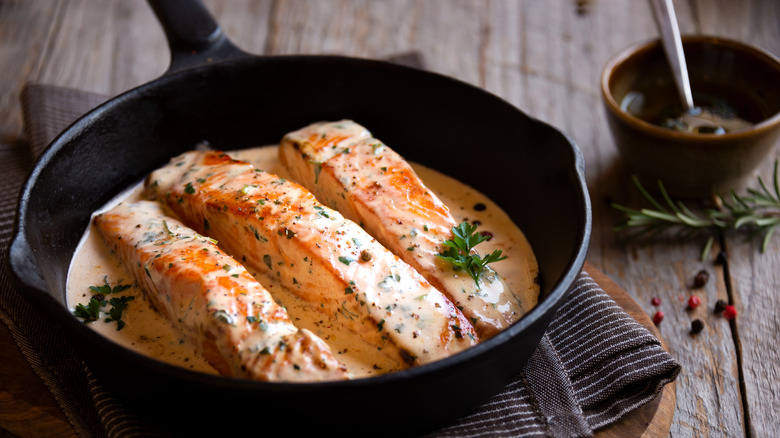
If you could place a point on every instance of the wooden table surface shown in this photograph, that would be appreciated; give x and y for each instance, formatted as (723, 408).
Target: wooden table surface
(545, 57)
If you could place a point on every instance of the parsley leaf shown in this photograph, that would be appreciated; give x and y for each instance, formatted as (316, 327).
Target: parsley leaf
(106, 289)
(459, 251)
(90, 312)
(118, 306)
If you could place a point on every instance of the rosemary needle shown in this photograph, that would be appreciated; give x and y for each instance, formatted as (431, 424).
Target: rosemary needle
(756, 212)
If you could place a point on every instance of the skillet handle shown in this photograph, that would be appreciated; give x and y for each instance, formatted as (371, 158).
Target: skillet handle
(194, 37)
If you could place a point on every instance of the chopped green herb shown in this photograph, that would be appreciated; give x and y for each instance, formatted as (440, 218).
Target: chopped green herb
(118, 305)
(90, 312)
(188, 189)
(385, 283)
(106, 289)
(346, 260)
(317, 169)
(167, 230)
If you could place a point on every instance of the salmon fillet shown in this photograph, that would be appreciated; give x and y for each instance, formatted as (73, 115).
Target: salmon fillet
(212, 299)
(348, 169)
(278, 228)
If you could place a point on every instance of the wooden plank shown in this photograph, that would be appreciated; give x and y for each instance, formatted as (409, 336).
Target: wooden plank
(245, 22)
(447, 32)
(25, 30)
(105, 47)
(27, 408)
(356, 28)
(756, 281)
(563, 52)
(755, 277)
(112, 46)
(552, 71)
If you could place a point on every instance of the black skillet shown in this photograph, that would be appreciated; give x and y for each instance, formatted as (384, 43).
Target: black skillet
(217, 93)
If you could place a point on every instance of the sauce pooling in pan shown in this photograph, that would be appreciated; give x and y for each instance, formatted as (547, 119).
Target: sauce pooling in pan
(145, 331)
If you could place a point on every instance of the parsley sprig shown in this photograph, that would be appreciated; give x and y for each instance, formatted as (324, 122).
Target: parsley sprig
(460, 253)
(757, 212)
(118, 305)
(91, 312)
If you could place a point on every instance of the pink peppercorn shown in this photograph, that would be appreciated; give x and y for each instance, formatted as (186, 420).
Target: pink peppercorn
(730, 312)
(658, 317)
(693, 302)
(655, 301)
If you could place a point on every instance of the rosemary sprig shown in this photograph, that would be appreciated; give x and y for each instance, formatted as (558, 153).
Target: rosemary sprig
(757, 212)
(459, 251)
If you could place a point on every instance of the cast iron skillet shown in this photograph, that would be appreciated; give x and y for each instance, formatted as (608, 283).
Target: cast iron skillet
(217, 93)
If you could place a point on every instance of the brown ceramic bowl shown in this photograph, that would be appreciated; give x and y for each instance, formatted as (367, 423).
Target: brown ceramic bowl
(693, 165)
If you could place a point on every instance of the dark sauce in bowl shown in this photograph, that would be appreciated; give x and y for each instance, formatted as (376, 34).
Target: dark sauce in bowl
(711, 115)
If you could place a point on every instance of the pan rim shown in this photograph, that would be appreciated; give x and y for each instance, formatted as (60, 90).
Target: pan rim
(553, 298)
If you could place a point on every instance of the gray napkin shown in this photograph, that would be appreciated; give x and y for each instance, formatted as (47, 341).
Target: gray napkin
(594, 364)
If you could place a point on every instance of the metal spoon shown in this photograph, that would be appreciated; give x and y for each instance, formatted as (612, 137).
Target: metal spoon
(666, 20)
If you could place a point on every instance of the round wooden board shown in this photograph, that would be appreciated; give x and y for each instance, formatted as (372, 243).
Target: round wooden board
(654, 419)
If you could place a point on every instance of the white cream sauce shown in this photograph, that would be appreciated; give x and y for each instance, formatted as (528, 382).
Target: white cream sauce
(149, 333)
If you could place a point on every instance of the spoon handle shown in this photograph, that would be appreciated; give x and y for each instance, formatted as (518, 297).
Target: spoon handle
(670, 36)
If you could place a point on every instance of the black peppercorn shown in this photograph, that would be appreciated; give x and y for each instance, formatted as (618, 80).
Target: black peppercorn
(700, 279)
(720, 306)
(697, 326)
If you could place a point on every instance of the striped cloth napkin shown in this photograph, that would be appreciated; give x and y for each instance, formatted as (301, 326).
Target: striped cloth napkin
(594, 364)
